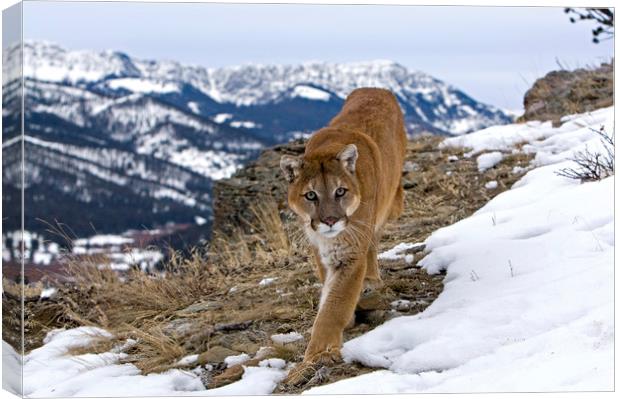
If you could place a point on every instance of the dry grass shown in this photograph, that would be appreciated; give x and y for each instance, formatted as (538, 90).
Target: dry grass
(270, 228)
(135, 306)
(97, 344)
(28, 291)
(232, 250)
(154, 350)
(139, 297)
(268, 241)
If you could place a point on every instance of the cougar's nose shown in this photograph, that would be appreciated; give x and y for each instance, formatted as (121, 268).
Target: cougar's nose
(330, 220)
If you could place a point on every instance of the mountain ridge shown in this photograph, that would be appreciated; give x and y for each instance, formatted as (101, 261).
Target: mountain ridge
(454, 112)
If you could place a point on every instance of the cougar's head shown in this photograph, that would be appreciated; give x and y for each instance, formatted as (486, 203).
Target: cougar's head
(323, 190)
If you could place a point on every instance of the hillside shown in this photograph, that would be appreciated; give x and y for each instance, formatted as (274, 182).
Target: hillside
(495, 274)
(258, 282)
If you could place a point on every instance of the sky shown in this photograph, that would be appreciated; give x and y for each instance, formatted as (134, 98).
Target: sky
(492, 53)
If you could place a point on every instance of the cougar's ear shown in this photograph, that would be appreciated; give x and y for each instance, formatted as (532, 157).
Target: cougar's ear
(290, 165)
(347, 157)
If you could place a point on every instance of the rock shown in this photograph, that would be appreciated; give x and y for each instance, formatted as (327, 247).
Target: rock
(216, 355)
(284, 328)
(565, 92)
(195, 341)
(408, 185)
(445, 210)
(246, 347)
(231, 374)
(372, 300)
(179, 327)
(410, 167)
(372, 317)
(265, 352)
(402, 305)
(285, 313)
(233, 326)
(200, 307)
(225, 340)
(233, 197)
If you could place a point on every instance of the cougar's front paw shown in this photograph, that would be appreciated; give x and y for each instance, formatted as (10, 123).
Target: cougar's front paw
(306, 370)
(301, 374)
(325, 358)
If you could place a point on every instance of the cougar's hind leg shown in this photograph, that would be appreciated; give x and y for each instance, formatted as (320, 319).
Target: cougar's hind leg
(398, 203)
(372, 278)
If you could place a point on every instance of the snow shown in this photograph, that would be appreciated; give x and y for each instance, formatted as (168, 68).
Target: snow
(187, 360)
(537, 135)
(528, 294)
(11, 369)
(143, 85)
(199, 220)
(310, 93)
(236, 359)
(287, 338)
(47, 292)
(146, 259)
(194, 107)
(397, 251)
(489, 160)
(102, 240)
(273, 363)
(214, 164)
(245, 124)
(221, 118)
(50, 372)
(267, 281)
(36, 248)
(491, 185)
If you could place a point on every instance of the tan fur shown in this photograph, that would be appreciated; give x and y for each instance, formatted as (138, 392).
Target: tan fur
(372, 121)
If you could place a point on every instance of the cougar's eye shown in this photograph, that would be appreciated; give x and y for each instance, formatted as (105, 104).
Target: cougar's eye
(310, 196)
(340, 192)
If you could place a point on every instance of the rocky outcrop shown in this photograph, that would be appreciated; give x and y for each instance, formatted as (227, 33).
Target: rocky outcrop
(260, 180)
(564, 92)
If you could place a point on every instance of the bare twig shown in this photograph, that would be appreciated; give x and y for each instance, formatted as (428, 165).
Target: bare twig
(593, 166)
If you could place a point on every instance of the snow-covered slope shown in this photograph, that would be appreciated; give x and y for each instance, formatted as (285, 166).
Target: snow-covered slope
(527, 303)
(528, 298)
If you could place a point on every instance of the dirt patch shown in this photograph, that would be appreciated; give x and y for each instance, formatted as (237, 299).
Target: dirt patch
(256, 279)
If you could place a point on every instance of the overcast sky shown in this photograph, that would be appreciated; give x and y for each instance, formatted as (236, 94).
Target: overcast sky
(492, 53)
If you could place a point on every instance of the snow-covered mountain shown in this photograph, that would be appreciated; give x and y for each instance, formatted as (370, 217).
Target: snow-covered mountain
(429, 103)
(114, 136)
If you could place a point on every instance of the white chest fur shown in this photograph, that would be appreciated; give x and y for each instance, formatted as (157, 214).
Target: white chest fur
(332, 254)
